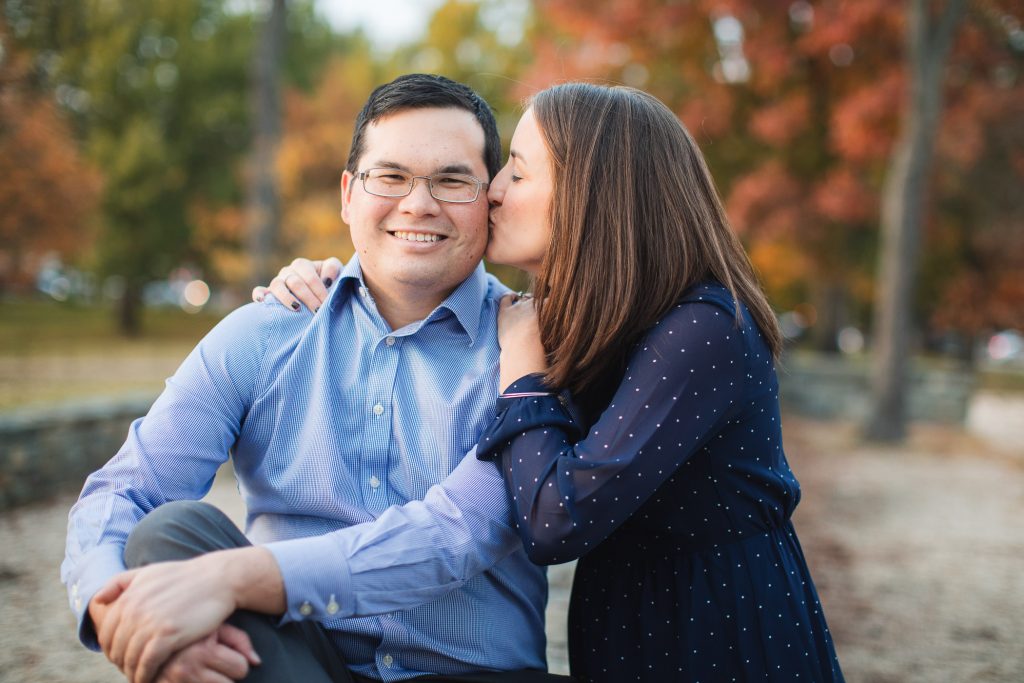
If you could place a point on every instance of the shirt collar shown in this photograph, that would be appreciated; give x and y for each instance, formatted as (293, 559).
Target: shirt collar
(465, 303)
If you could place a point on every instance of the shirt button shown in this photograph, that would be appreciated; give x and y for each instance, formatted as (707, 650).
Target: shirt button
(332, 606)
(388, 660)
(390, 341)
(305, 609)
(78, 604)
(374, 481)
(378, 409)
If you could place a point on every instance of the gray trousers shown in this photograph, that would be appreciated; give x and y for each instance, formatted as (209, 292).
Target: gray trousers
(298, 651)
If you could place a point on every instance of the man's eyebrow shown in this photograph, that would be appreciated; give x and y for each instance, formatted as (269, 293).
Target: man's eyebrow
(448, 168)
(455, 168)
(383, 163)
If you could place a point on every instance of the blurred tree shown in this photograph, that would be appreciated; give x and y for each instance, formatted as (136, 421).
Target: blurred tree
(796, 106)
(314, 149)
(49, 193)
(263, 202)
(930, 33)
(971, 282)
(158, 89)
(762, 89)
(479, 43)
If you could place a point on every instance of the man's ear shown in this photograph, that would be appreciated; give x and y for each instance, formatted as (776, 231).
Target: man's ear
(347, 182)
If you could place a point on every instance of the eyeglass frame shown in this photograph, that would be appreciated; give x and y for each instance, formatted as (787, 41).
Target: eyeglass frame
(361, 175)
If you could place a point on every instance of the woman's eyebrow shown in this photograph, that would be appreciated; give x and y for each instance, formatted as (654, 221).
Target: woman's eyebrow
(518, 156)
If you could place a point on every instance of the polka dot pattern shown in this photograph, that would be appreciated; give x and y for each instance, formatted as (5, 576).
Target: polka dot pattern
(677, 501)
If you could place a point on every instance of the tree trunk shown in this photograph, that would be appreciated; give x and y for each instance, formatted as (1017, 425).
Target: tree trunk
(129, 310)
(831, 306)
(903, 204)
(263, 203)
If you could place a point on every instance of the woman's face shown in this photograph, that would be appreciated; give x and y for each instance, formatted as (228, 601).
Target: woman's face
(520, 197)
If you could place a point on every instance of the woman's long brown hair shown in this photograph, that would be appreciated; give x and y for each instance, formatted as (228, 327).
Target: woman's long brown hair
(635, 222)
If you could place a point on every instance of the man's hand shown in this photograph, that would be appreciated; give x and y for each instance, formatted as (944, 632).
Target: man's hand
(221, 657)
(98, 612)
(143, 616)
(150, 613)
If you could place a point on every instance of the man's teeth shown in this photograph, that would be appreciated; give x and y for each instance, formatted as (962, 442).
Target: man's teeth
(416, 236)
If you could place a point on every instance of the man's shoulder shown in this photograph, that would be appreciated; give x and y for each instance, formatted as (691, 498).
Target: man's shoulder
(495, 289)
(256, 325)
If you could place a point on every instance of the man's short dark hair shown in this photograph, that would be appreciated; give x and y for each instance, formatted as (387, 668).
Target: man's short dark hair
(418, 91)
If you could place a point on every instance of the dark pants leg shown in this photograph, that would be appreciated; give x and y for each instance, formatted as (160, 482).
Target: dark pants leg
(298, 651)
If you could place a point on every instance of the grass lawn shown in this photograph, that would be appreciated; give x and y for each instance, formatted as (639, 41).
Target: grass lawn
(51, 352)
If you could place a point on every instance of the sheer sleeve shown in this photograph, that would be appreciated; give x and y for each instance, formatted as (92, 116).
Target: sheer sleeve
(571, 489)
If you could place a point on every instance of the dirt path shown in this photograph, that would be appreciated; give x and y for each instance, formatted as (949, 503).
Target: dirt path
(918, 554)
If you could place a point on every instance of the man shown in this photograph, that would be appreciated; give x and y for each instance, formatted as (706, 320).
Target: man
(347, 428)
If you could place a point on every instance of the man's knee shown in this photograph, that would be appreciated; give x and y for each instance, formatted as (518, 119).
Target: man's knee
(180, 530)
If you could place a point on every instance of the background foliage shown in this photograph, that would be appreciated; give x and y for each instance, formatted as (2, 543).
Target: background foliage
(124, 128)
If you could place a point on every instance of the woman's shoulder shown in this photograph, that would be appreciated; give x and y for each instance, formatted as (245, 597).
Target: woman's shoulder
(709, 292)
(704, 301)
(706, 311)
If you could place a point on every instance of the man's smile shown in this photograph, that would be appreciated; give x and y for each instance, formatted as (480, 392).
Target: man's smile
(416, 236)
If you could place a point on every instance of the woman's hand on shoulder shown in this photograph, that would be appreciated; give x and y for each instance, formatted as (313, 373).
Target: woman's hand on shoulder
(302, 282)
(519, 338)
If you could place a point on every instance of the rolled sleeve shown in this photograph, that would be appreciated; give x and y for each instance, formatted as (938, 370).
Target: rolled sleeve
(172, 453)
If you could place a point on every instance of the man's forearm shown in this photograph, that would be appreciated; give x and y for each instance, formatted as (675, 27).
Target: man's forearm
(410, 555)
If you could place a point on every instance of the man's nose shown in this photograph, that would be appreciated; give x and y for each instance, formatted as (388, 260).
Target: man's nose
(419, 201)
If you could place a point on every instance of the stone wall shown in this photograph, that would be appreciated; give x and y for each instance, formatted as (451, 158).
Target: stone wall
(50, 449)
(824, 386)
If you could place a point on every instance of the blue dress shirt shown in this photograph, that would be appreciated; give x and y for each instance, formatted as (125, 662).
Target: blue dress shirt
(348, 441)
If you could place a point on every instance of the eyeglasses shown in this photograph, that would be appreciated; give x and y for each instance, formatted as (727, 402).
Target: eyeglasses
(456, 188)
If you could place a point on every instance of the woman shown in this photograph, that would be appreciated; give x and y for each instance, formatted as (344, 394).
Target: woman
(638, 426)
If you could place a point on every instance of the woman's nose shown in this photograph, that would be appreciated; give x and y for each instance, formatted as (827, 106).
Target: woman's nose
(496, 192)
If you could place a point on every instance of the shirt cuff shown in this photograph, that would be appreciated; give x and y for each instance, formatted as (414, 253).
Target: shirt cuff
(93, 572)
(526, 404)
(316, 576)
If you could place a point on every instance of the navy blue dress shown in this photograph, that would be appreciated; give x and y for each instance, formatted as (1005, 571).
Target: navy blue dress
(677, 499)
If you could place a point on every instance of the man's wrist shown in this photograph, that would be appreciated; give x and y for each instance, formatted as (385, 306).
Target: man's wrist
(251, 577)
(94, 613)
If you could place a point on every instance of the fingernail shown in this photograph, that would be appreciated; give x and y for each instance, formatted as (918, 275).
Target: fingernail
(328, 282)
(256, 658)
(295, 305)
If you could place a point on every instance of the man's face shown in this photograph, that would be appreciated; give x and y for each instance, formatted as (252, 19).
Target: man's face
(394, 236)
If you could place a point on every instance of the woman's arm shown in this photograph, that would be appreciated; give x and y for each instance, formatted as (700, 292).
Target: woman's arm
(571, 490)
